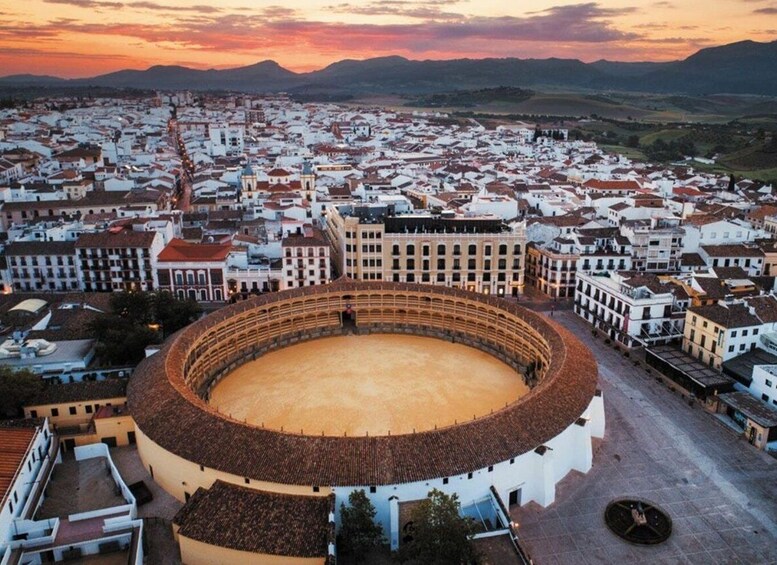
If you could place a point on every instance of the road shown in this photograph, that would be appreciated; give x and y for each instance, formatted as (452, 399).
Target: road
(720, 491)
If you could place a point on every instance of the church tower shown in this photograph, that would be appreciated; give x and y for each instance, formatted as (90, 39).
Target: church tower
(307, 179)
(247, 183)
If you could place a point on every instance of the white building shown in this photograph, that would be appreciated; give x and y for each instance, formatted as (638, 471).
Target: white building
(634, 309)
(764, 383)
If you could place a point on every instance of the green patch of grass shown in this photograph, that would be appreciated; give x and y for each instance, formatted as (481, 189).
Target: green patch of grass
(664, 134)
(629, 152)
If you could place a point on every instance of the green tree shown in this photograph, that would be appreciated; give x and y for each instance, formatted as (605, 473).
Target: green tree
(173, 314)
(440, 534)
(359, 533)
(135, 307)
(632, 141)
(120, 342)
(135, 321)
(16, 388)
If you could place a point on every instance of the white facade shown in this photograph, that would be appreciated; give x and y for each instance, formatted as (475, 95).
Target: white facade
(17, 505)
(534, 474)
(764, 383)
(628, 311)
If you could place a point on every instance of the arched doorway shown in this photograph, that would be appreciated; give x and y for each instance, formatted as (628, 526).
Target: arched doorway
(348, 317)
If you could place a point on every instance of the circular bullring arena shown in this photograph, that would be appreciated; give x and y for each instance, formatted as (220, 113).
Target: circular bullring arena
(391, 387)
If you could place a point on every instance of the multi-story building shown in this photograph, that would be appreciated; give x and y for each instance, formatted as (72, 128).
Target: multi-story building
(656, 244)
(26, 452)
(194, 270)
(226, 138)
(36, 266)
(118, 259)
(306, 259)
(552, 268)
(718, 332)
(480, 254)
(634, 309)
(764, 383)
(749, 257)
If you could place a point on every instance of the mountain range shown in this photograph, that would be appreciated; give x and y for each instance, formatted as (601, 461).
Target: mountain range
(745, 67)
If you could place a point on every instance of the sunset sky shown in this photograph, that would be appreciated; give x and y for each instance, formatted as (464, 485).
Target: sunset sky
(75, 38)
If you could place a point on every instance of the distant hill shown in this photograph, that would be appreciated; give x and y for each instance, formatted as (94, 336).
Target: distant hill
(746, 67)
(32, 80)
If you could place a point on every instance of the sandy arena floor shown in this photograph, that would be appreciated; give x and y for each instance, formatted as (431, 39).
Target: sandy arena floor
(373, 383)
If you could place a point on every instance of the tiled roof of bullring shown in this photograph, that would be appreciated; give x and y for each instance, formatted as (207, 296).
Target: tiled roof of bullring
(176, 418)
(246, 519)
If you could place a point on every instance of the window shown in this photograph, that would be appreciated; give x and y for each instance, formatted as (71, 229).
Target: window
(473, 249)
(768, 382)
(734, 333)
(316, 489)
(441, 249)
(730, 348)
(765, 397)
(88, 408)
(72, 410)
(744, 333)
(469, 475)
(55, 412)
(373, 489)
(246, 480)
(445, 480)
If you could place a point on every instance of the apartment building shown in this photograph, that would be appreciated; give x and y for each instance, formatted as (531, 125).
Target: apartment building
(718, 332)
(194, 270)
(306, 259)
(118, 259)
(656, 244)
(480, 254)
(35, 266)
(633, 308)
(750, 258)
(552, 268)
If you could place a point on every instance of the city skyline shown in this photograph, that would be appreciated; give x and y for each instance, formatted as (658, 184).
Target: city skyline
(79, 38)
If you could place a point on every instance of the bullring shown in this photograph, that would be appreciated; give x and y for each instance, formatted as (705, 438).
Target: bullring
(524, 448)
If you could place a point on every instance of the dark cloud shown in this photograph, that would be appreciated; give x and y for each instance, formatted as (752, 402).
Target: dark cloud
(92, 4)
(767, 11)
(407, 8)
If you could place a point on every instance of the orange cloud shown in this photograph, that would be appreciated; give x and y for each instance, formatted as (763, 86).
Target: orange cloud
(93, 36)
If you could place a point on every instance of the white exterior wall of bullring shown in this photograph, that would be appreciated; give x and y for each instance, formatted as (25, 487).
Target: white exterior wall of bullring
(536, 475)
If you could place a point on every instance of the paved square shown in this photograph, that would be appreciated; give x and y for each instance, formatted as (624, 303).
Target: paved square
(720, 491)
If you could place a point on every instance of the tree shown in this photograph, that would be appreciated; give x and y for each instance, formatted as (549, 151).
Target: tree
(16, 388)
(136, 307)
(120, 342)
(632, 141)
(440, 535)
(732, 186)
(134, 323)
(173, 314)
(358, 531)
